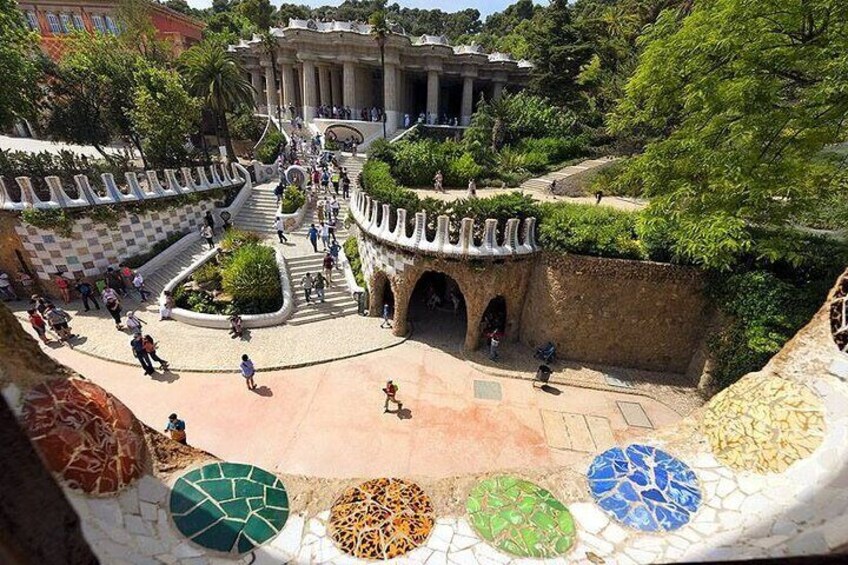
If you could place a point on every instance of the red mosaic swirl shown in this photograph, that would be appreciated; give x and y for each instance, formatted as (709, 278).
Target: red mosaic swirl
(84, 434)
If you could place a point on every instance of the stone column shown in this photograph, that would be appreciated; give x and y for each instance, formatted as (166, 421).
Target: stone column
(497, 89)
(310, 92)
(287, 78)
(336, 87)
(432, 96)
(256, 83)
(467, 100)
(270, 89)
(324, 85)
(390, 97)
(349, 97)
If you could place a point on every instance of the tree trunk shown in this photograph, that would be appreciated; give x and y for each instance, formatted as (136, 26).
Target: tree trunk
(137, 142)
(225, 127)
(105, 155)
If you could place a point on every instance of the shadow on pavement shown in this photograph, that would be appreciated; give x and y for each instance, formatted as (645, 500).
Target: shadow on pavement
(263, 391)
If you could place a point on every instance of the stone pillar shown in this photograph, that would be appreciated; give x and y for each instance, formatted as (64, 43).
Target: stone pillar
(390, 97)
(349, 97)
(467, 100)
(497, 90)
(336, 87)
(256, 83)
(310, 92)
(271, 99)
(432, 96)
(287, 78)
(324, 85)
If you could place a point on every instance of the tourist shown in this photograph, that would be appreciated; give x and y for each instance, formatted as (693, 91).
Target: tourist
(176, 429)
(386, 318)
(236, 327)
(113, 305)
(312, 234)
(278, 191)
(494, 343)
(325, 180)
(321, 211)
(40, 303)
(345, 186)
(137, 346)
(6, 290)
(320, 284)
(406, 121)
(598, 196)
(334, 180)
(325, 235)
(280, 227)
(126, 275)
(86, 291)
(334, 251)
(134, 323)
(150, 348)
(331, 228)
(38, 324)
(472, 188)
(115, 281)
(247, 371)
(208, 220)
(138, 284)
(391, 390)
(437, 181)
(354, 149)
(307, 283)
(328, 268)
(58, 320)
(166, 304)
(62, 285)
(335, 208)
(206, 233)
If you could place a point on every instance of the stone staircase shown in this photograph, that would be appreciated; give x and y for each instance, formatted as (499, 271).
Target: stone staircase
(543, 183)
(257, 214)
(353, 165)
(156, 281)
(337, 299)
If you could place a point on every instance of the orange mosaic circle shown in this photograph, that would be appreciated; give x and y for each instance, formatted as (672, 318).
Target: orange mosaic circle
(381, 519)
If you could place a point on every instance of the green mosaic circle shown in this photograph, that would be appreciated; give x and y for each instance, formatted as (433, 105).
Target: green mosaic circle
(229, 506)
(520, 518)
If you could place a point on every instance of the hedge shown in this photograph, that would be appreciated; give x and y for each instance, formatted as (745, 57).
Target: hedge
(590, 230)
(351, 251)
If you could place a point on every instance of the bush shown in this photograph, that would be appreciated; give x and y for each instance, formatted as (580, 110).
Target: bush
(416, 162)
(381, 186)
(462, 169)
(251, 277)
(555, 150)
(270, 148)
(233, 239)
(208, 275)
(590, 230)
(244, 125)
(381, 150)
(351, 251)
(293, 198)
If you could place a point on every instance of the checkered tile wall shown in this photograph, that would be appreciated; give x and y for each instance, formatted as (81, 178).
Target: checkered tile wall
(376, 257)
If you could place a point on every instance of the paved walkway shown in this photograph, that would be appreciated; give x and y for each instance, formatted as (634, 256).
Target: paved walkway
(29, 145)
(328, 420)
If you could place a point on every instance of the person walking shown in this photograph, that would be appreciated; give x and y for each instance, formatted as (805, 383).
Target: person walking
(345, 186)
(86, 291)
(113, 305)
(312, 234)
(7, 292)
(176, 429)
(137, 346)
(38, 324)
(437, 181)
(247, 371)
(166, 304)
(280, 227)
(278, 192)
(307, 283)
(209, 220)
(115, 281)
(386, 318)
(472, 188)
(320, 283)
(62, 285)
(133, 323)
(58, 320)
(325, 235)
(320, 211)
(150, 348)
(335, 208)
(138, 284)
(334, 252)
(494, 343)
(391, 390)
(206, 233)
(599, 196)
(328, 264)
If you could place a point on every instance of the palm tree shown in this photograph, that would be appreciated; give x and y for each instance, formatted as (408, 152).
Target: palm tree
(380, 33)
(216, 77)
(269, 45)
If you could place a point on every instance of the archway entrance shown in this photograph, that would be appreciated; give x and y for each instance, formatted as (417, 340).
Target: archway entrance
(382, 294)
(437, 311)
(494, 317)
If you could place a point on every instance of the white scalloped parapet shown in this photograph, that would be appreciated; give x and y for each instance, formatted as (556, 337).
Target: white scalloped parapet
(374, 219)
(137, 187)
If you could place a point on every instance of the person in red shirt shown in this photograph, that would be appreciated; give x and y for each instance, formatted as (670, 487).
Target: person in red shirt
(391, 396)
(62, 283)
(38, 324)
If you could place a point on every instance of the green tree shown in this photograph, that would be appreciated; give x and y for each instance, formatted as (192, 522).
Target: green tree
(259, 12)
(228, 28)
(380, 33)
(164, 114)
(742, 99)
(291, 11)
(18, 66)
(216, 77)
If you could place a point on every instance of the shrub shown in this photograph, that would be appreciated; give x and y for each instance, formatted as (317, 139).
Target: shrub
(270, 148)
(555, 149)
(460, 170)
(244, 125)
(381, 150)
(381, 186)
(590, 230)
(351, 251)
(293, 198)
(416, 162)
(208, 275)
(234, 239)
(252, 278)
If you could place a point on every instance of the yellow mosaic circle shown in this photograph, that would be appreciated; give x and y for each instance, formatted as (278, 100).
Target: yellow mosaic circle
(763, 424)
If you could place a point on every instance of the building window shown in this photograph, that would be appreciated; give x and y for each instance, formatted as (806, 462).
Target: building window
(98, 23)
(78, 23)
(67, 24)
(53, 22)
(112, 26)
(32, 21)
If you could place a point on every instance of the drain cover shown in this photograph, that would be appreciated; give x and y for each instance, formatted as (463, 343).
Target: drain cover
(487, 390)
(634, 414)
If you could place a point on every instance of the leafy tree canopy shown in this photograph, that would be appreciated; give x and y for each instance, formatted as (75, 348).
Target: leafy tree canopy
(18, 65)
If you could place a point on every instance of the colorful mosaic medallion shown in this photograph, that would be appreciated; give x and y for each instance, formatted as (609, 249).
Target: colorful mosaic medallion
(381, 519)
(229, 506)
(763, 424)
(839, 315)
(520, 518)
(85, 434)
(644, 487)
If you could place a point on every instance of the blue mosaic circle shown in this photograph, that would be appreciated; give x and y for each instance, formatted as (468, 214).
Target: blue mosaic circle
(644, 487)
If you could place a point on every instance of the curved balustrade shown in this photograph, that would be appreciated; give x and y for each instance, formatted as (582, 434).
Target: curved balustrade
(264, 173)
(111, 193)
(374, 219)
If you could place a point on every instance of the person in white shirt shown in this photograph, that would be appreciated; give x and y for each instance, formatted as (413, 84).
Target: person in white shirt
(280, 226)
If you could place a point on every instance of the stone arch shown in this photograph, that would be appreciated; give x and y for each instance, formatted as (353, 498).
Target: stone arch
(494, 317)
(381, 290)
(436, 303)
(342, 132)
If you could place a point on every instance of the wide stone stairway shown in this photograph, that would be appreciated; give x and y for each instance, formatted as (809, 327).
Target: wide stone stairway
(543, 184)
(155, 282)
(257, 214)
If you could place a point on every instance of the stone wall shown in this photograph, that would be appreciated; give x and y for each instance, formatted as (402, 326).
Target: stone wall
(616, 312)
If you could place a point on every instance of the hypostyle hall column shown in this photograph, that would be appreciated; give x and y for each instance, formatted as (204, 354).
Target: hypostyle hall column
(336, 87)
(467, 99)
(390, 96)
(310, 92)
(270, 88)
(349, 95)
(498, 86)
(432, 96)
(287, 78)
(324, 85)
(256, 83)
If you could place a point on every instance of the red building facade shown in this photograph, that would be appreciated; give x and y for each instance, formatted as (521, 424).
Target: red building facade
(55, 20)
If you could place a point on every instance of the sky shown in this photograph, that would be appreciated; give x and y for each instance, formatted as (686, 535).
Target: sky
(486, 7)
